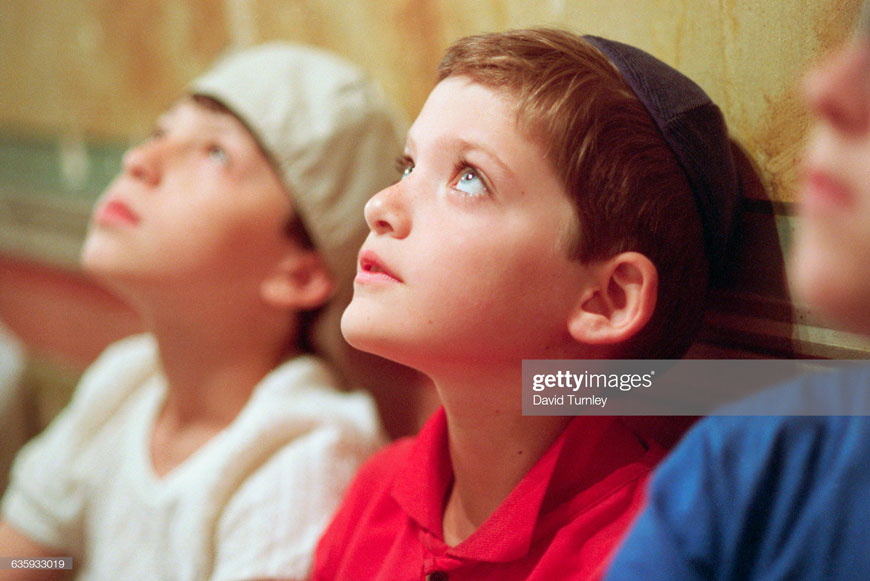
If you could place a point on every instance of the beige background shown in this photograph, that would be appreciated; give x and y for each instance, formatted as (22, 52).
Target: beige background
(103, 69)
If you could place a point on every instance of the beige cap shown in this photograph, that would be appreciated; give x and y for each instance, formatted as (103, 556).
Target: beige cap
(334, 139)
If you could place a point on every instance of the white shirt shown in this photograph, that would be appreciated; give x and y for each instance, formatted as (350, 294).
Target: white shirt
(13, 424)
(251, 502)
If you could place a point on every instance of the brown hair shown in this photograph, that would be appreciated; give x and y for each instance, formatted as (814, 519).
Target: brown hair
(627, 186)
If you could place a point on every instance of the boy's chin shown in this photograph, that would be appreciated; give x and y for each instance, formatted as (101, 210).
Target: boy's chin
(830, 293)
(99, 255)
(97, 262)
(92, 262)
(363, 335)
(360, 338)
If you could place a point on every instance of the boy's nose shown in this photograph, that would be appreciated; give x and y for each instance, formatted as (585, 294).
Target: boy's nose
(838, 90)
(142, 163)
(386, 214)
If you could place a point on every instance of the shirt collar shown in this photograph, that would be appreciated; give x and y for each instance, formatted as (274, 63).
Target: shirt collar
(422, 483)
(572, 463)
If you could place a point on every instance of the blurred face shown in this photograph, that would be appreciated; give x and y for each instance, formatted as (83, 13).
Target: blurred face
(832, 251)
(196, 204)
(466, 259)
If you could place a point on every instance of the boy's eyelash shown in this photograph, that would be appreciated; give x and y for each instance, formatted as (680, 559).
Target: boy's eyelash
(403, 162)
(216, 150)
(461, 166)
(405, 165)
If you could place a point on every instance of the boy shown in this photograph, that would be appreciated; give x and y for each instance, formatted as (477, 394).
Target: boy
(543, 213)
(787, 497)
(193, 452)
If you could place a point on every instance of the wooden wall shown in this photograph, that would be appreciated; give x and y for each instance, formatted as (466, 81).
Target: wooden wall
(105, 69)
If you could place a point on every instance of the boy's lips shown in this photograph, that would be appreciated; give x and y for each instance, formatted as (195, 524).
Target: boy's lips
(372, 269)
(116, 212)
(821, 189)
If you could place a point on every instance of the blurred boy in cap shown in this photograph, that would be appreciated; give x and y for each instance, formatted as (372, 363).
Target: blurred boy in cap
(217, 445)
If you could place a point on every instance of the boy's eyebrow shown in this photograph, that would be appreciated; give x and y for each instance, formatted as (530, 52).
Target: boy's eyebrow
(465, 146)
(223, 125)
(462, 146)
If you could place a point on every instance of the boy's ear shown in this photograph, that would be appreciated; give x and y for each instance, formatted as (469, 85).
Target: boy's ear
(301, 281)
(620, 304)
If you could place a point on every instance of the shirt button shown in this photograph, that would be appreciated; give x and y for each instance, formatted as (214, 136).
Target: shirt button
(436, 576)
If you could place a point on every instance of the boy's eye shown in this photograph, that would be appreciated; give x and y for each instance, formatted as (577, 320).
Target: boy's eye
(217, 153)
(470, 182)
(404, 166)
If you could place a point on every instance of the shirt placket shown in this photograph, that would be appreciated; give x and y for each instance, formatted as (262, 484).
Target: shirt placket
(439, 568)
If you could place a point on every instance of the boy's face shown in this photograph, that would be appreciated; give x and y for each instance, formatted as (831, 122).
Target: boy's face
(466, 261)
(832, 251)
(197, 203)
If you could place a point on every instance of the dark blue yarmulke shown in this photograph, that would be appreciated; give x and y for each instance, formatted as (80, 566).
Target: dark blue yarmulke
(695, 130)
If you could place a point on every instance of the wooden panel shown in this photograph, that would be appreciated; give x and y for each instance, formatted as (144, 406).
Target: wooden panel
(85, 68)
(99, 67)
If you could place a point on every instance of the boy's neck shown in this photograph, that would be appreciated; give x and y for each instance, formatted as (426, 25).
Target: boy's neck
(211, 365)
(492, 447)
(211, 372)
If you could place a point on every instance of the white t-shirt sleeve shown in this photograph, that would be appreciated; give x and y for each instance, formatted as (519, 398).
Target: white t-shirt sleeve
(47, 494)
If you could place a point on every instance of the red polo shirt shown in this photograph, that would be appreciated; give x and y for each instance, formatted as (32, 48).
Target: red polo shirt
(560, 522)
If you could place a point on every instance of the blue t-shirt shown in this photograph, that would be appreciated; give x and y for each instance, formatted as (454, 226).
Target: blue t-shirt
(762, 497)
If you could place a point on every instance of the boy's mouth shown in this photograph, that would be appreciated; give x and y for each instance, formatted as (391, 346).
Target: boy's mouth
(372, 268)
(822, 189)
(116, 212)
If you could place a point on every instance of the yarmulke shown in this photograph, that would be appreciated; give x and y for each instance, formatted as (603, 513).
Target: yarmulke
(694, 129)
(333, 138)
